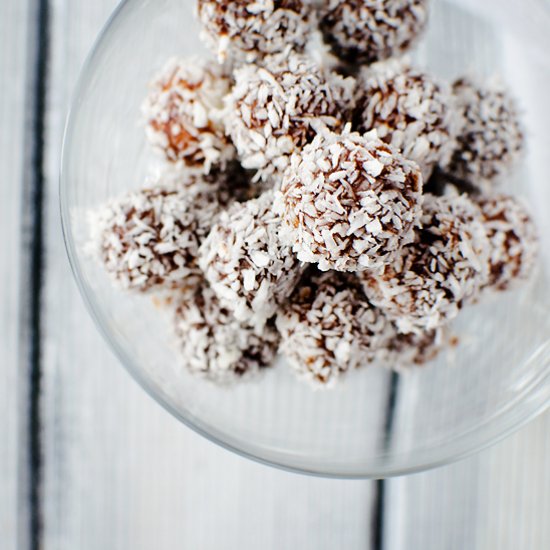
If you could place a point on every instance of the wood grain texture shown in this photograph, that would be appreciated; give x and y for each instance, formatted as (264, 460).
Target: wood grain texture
(119, 471)
(500, 498)
(497, 500)
(14, 29)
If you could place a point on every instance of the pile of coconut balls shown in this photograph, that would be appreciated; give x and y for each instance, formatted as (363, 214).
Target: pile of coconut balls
(320, 196)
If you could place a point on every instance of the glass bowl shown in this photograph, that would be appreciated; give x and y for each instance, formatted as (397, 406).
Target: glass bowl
(375, 423)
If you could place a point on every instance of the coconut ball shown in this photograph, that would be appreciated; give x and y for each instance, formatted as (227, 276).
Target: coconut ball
(513, 240)
(328, 327)
(365, 31)
(248, 267)
(492, 138)
(183, 113)
(349, 202)
(410, 110)
(448, 263)
(213, 344)
(149, 240)
(246, 30)
(275, 110)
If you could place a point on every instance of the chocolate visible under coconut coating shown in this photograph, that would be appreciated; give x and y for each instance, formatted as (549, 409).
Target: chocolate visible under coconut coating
(150, 239)
(492, 138)
(365, 31)
(275, 110)
(213, 344)
(226, 185)
(245, 262)
(328, 327)
(183, 113)
(245, 30)
(410, 110)
(513, 240)
(349, 202)
(408, 350)
(427, 283)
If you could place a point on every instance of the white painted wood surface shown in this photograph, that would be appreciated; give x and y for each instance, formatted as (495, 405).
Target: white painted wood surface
(500, 498)
(497, 500)
(13, 76)
(120, 473)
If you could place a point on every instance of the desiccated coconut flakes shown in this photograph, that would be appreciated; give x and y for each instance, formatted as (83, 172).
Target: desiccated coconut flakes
(275, 110)
(430, 279)
(183, 113)
(214, 345)
(365, 31)
(349, 202)
(246, 264)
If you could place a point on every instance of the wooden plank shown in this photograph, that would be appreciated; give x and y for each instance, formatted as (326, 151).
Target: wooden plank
(14, 39)
(501, 497)
(119, 471)
(498, 499)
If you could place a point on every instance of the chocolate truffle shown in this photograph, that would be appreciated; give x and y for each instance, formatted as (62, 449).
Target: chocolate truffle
(404, 351)
(245, 30)
(513, 240)
(448, 263)
(149, 240)
(349, 202)
(491, 139)
(410, 110)
(213, 344)
(183, 114)
(365, 31)
(277, 109)
(328, 328)
(245, 262)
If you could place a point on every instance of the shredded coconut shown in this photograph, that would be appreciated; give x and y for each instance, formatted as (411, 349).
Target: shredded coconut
(403, 351)
(365, 31)
(213, 344)
(492, 138)
(513, 240)
(275, 110)
(349, 202)
(329, 328)
(246, 264)
(410, 110)
(150, 239)
(429, 280)
(183, 113)
(245, 31)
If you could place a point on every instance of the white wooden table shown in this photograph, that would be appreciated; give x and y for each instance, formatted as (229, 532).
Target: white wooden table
(88, 461)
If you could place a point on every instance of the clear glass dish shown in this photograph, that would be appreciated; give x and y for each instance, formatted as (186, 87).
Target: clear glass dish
(375, 423)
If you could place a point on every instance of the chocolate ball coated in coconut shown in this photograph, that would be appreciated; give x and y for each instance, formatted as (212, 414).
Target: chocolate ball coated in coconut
(365, 31)
(410, 110)
(429, 280)
(349, 202)
(183, 114)
(149, 240)
(492, 139)
(214, 345)
(245, 30)
(513, 240)
(275, 110)
(328, 328)
(248, 267)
